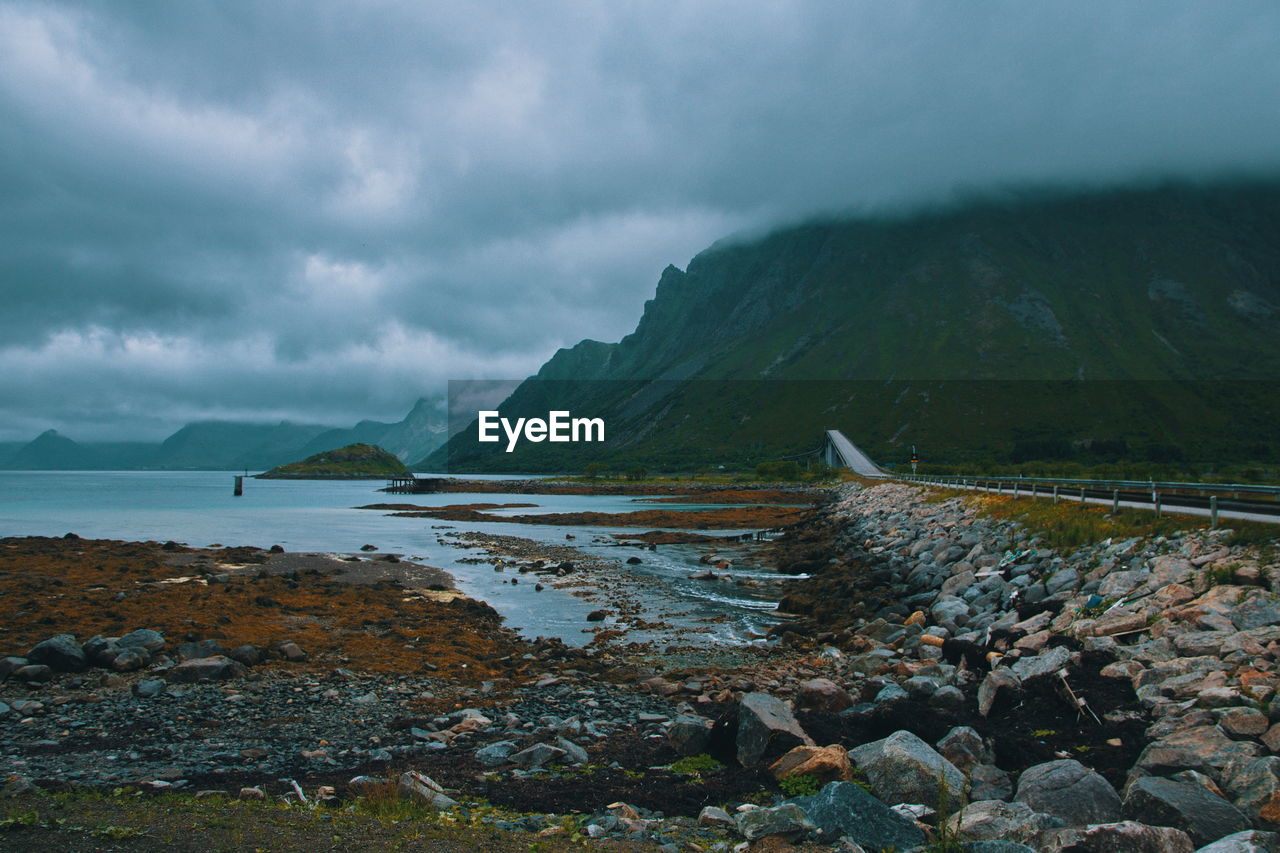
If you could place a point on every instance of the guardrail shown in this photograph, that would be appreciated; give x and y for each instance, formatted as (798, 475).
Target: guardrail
(1235, 497)
(1203, 489)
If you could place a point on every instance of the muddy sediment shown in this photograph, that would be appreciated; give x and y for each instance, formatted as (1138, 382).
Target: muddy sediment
(766, 517)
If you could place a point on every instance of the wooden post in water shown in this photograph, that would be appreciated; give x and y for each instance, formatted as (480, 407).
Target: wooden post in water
(239, 490)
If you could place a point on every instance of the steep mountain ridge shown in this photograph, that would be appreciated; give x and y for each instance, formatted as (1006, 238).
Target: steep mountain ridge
(1133, 307)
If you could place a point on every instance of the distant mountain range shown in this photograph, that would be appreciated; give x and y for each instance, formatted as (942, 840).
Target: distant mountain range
(233, 446)
(1143, 321)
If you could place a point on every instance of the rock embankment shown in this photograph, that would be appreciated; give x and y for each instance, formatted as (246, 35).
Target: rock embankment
(946, 677)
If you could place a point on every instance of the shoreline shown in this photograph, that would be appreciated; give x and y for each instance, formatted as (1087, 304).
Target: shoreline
(1172, 641)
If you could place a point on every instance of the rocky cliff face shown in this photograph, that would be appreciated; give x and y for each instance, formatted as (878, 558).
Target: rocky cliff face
(930, 317)
(1172, 283)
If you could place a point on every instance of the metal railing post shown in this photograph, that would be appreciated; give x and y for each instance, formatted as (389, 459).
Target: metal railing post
(1115, 501)
(1055, 495)
(1213, 512)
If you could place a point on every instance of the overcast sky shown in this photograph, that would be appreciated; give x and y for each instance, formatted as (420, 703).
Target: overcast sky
(320, 211)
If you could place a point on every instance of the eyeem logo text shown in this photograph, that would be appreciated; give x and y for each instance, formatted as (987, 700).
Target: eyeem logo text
(558, 426)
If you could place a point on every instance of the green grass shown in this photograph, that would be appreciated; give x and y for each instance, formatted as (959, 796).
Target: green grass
(1068, 525)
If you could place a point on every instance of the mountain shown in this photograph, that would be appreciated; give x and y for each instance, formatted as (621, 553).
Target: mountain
(353, 462)
(1142, 318)
(230, 445)
(51, 450)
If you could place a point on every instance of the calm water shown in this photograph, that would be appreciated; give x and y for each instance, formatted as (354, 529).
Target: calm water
(198, 508)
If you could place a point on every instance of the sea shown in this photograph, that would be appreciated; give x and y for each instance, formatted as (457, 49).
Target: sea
(198, 508)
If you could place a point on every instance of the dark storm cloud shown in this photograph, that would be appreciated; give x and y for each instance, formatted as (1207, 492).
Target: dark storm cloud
(321, 210)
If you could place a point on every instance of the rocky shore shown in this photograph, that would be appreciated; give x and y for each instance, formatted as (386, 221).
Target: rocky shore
(947, 680)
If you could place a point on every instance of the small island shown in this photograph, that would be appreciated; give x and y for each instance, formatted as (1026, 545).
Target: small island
(353, 462)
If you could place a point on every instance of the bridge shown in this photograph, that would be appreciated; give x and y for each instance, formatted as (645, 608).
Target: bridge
(840, 452)
(1231, 500)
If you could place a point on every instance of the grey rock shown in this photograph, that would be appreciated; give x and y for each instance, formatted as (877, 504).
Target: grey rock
(1069, 790)
(200, 649)
(822, 694)
(891, 693)
(1047, 662)
(948, 698)
(1127, 836)
(920, 687)
(152, 641)
(964, 748)
(149, 688)
(1204, 749)
(1202, 815)
(573, 753)
(715, 816)
(1249, 841)
(689, 735)
(496, 753)
(61, 653)
(996, 680)
(993, 819)
(988, 782)
(291, 651)
(4, 710)
(844, 810)
(538, 755)
(1255, 785)
(766, 729)
(101, 650)
(425, 789)
(1063, 579)
(11, 664)
(129, 660)
(248, 654)
(787, 819)
(995, 846)
(216, 668)
(902, 768)
(34, 672)
(1259, 611)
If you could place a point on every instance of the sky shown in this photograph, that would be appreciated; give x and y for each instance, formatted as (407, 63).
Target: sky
(320, 211)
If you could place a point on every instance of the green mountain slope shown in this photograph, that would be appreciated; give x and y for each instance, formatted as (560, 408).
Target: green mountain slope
(1144, 319)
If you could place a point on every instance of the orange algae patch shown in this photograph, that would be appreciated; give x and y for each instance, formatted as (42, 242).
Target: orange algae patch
(73, 586)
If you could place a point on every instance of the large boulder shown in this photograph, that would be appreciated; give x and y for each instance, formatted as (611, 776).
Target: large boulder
(1205, 749)
(823, 694)
(1122, 837)
(766, 729)
(787, 820)
(216, 668)
(60, 653)
(824, 763)
(689, 735)
(902, 768)
(993, 819)
(843, 809)
(1195, 810)
(1069, 790)
(1249, 841)
(424, 789)
(1255, 785)
(100, 650)
(964, 748)
(152, 641)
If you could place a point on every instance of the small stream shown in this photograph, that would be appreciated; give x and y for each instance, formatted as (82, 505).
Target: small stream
(198, 508)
